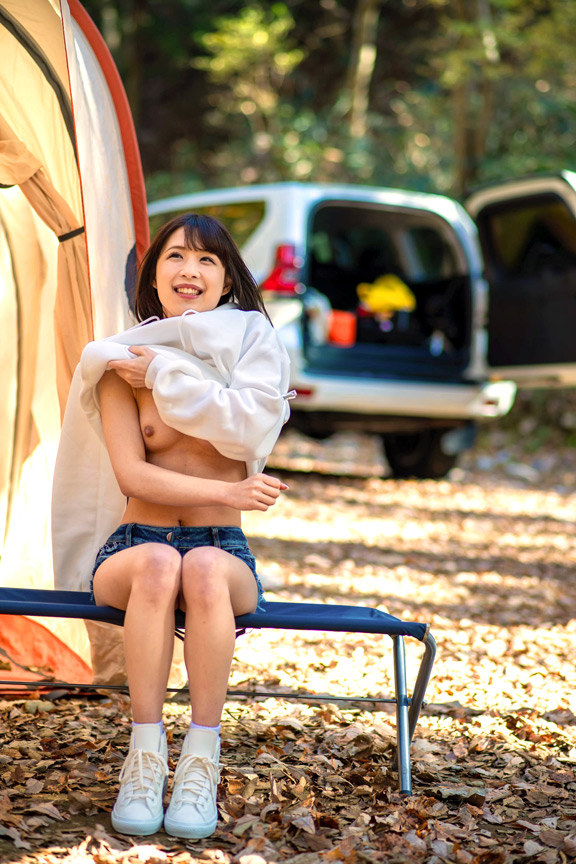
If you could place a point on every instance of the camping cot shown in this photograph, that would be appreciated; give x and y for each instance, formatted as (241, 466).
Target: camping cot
(277, 615)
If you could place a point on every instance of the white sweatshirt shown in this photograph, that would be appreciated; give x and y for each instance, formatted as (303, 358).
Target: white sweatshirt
(222, 376)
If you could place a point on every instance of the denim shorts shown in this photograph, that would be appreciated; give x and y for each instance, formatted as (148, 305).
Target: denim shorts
(228, 538)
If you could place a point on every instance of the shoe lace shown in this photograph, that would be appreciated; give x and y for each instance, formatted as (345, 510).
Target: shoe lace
(143, 772)
(194, 779)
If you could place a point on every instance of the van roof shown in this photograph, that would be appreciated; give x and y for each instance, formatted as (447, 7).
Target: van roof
(310, 193)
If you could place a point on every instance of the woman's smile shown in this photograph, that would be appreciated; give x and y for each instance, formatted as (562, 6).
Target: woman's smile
(187, 290)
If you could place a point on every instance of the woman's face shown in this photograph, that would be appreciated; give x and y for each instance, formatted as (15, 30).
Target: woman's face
(188, 278)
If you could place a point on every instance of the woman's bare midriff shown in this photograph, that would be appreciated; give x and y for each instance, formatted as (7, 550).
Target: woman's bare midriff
(170, 449)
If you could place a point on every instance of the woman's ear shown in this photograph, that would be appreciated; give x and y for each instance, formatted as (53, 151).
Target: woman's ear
(227, 286)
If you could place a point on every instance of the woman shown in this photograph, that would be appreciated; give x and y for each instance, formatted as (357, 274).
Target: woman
(182, 440)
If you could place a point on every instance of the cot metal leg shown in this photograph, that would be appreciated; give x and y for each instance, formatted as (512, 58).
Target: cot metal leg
(402, 723)
(424, 673)
(422, 679)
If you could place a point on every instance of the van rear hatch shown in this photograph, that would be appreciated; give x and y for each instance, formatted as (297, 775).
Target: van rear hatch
(398, 289)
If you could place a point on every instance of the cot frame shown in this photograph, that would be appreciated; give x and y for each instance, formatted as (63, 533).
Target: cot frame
(277, 615)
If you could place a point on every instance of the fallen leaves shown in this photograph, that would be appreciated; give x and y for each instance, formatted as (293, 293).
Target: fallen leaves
(489, 563)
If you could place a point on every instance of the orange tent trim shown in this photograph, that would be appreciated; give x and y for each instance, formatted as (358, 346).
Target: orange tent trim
(30, 652)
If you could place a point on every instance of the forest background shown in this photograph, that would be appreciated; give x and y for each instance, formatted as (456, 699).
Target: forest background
(431, 95)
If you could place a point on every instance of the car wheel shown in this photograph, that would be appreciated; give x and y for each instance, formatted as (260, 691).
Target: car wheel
(419, 454)
(319, 434)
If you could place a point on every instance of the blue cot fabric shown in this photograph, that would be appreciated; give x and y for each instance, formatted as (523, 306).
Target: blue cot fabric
(287, 616)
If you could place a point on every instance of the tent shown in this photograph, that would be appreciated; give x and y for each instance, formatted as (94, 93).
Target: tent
(73, 225)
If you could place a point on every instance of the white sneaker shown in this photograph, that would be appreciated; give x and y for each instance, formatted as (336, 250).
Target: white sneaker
(143, 780)
(192, 811)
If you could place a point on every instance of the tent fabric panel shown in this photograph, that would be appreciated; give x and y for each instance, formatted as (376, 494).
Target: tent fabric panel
(8, 363)
(37, 120)
(17, 164)
(117, 93)
(72, 311)
(48, 174)
(22, 35)
(26, 270)
(42, 21)
(105, 188)
(34, 62)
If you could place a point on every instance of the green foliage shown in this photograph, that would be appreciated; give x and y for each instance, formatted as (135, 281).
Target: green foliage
(515, 64)
(251, 58)
(235, 92)
(250, 53)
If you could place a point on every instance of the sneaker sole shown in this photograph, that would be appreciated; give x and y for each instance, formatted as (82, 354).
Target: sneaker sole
(189, 832)
(142, 829)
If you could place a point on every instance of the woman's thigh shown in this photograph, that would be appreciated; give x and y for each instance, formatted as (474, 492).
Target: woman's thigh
(114, 579)
(208, 564)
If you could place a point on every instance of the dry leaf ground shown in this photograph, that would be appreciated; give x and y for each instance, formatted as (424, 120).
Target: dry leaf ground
(486, 557)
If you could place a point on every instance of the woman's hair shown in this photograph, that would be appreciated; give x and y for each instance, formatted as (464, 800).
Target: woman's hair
(201, 233)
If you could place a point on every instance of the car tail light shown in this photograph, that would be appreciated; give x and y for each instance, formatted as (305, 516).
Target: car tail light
(285, 275)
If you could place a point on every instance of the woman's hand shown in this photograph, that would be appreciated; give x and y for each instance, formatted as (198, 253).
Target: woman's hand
(134, 371)
(258, 492)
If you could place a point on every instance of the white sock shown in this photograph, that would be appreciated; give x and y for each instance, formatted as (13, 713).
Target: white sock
(211, 728)
(158, 723)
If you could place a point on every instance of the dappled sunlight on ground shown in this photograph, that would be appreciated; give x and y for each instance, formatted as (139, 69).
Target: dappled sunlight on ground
(487, 559)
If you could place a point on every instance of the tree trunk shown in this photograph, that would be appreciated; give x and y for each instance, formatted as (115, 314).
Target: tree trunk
(361, 66)
(472, 96)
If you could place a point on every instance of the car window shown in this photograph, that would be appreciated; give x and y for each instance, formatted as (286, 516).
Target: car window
(241, 218)
(528, 235)
(368, 242)
(434, 256)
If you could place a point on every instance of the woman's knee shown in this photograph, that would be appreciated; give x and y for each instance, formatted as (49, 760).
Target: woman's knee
(157, 572)
(204, 576)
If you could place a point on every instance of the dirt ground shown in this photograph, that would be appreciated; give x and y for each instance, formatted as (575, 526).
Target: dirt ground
(486, 557)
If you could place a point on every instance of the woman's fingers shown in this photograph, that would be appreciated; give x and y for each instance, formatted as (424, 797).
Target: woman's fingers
(273, 482)
(271, 489)
(263, 491)
(133, 370)
(257, 492)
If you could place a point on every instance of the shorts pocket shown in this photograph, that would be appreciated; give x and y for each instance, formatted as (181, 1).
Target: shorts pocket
(110, 547)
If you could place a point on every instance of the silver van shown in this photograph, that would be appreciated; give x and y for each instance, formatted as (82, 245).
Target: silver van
(405, 314)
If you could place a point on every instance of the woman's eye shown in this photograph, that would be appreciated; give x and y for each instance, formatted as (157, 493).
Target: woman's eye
(174, 255)
(207, 258)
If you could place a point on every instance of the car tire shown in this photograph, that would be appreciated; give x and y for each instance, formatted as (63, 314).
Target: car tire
(318, 434)
(418, 454)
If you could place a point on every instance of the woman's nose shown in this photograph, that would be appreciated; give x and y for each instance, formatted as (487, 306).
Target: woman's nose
(189, 268)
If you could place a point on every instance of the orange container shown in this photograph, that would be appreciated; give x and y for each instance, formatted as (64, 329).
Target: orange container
(342, 327)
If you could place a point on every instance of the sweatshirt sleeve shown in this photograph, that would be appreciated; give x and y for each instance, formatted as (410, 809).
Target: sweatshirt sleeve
(240, 409)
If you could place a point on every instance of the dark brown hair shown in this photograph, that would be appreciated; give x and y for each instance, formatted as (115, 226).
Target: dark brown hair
(201, 233)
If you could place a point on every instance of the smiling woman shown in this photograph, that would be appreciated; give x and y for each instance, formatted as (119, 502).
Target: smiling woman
(189, 278)
(204, 245)
(188, 416)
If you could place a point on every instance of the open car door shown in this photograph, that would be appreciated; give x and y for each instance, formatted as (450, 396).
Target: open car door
(527, 232)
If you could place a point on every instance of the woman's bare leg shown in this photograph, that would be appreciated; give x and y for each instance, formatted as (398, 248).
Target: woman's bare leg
(216, 586)
(145, 581)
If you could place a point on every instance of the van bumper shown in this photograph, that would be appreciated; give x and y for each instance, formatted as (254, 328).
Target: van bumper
(442, 402)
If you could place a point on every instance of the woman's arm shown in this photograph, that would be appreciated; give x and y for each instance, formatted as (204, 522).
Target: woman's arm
(139, 479)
